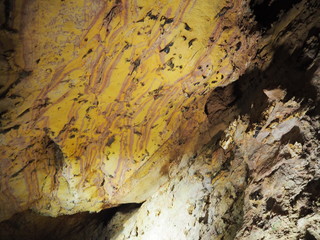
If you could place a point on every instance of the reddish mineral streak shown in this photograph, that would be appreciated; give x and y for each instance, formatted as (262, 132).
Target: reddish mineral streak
(161, 102)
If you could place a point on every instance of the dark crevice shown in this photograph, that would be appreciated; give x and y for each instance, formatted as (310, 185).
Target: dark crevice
(304, 211)
(15, 127)
(234, 217)
(32, 226)
(8, 8)
(269, 11)
(311, 193)
(8, 5)
(312, 189)
(23, 168)
(256, 195)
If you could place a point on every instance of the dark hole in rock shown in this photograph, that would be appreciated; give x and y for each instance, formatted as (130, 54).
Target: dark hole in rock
(256, 195)
(313, 189)
(256, 220)
(304, 211)
(272, 205)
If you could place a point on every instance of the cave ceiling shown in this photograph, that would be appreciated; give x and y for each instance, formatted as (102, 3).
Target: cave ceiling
(100, 98)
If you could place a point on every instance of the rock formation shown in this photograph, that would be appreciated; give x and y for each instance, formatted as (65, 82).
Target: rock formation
(173, 120)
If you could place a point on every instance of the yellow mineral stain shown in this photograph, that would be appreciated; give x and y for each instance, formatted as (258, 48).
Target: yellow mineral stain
(114, 86)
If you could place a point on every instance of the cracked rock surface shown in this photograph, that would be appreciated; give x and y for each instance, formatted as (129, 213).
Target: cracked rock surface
(177, 120)
(264, 186)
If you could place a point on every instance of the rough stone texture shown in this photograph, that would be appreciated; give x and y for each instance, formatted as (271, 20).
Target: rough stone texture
(195, 204)
(95, 94)
(262, 179)
(264, 186)
(210, 119)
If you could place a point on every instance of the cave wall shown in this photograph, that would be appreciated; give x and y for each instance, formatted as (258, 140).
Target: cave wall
(95, 95)
(205, 112)
(259, 179)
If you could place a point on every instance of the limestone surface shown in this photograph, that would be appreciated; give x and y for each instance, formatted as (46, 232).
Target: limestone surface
(195, 119)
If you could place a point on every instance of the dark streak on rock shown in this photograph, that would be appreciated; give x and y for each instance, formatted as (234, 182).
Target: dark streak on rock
(18, 172)
(136, 64)
(223, 11)
(14, 96)
(225, 28)
(110, 141)
(137, 133)
(102, 183)
(141, 20)
(9, 129)
(151, 16)
(191, 42)
(24, 112)
(238, 46)
(166, 49)
(128, 45)
(187, 27)
(23, 74)
(89, 51)
(170, 63)
(166, 21)
(65, 127)
(110, 15)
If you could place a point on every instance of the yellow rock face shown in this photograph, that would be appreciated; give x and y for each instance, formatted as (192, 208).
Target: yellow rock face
(99, 98)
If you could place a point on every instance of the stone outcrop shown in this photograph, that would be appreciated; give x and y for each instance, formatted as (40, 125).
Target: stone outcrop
(276, 197)
(260, 179)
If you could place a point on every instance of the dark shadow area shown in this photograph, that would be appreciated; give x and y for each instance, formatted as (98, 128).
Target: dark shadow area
(294, 73)
(219, 104)
(309, 236)
(8, 6)
(294, 135)
(285, 72)
(31, 226)
(273, 206)
(269, 11)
